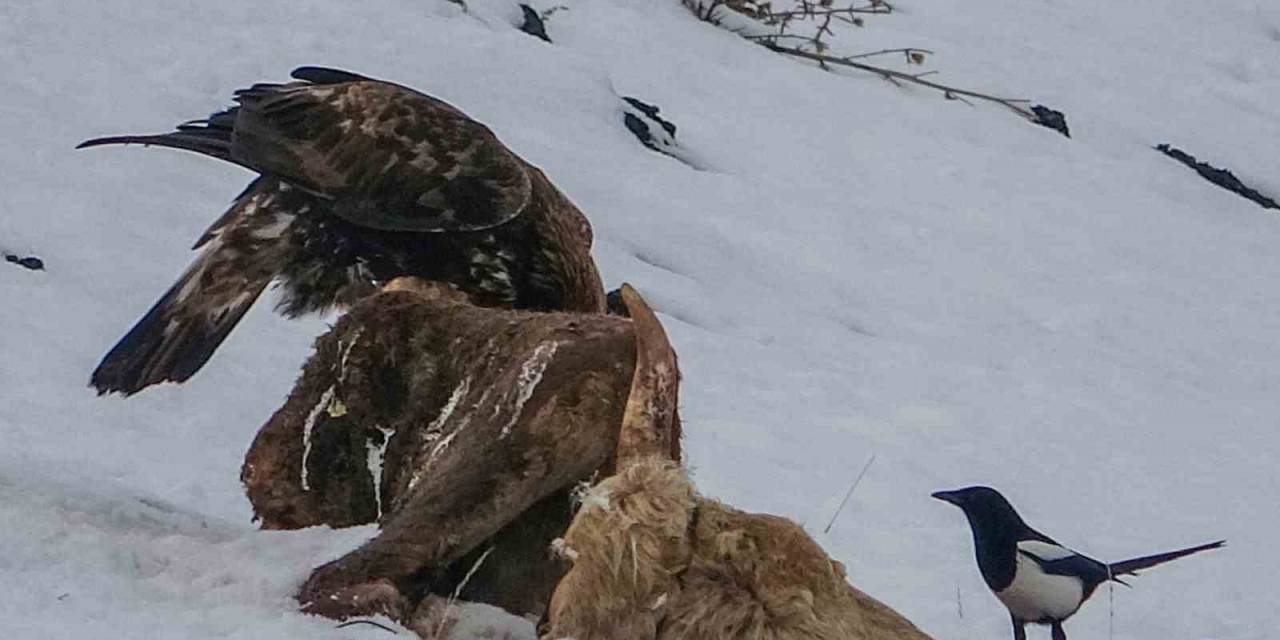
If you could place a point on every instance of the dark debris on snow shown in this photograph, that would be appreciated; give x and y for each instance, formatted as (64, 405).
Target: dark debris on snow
(29, 262)
(1221, 177)
(1051, 118)
(533, 23)
(639, 125)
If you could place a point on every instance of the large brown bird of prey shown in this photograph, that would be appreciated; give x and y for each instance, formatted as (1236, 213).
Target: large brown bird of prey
(360, 181)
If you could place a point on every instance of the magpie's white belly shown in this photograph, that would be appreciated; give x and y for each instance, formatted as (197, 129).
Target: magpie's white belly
(1035, 595)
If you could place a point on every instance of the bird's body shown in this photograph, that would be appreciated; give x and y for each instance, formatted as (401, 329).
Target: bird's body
(1038, 580)
(1035, 594)
(361, 181)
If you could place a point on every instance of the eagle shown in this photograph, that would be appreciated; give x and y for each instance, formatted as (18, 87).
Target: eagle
(360, 181)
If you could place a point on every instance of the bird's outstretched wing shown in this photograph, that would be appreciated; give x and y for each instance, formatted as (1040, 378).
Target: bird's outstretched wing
(238, 257)
(385, 156)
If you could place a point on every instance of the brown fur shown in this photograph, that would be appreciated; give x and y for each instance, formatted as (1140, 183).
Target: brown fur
(489, 418)
(651, 560)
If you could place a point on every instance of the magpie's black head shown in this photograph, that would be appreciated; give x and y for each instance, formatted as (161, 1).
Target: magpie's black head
(983, 506)
(996, 528)
(969, 496)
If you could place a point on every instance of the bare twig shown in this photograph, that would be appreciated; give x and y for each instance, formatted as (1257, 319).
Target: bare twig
(849, 494)
(908, 51)
(371, 623)
(819, 15)
(773, 36)
(842, 12)
(444, 616)
(705, 10)
(951, 93)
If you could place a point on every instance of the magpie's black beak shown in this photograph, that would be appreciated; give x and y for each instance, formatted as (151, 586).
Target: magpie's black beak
(947, 496)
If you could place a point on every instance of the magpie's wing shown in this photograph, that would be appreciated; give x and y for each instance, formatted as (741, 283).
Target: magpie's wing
(1055, 559)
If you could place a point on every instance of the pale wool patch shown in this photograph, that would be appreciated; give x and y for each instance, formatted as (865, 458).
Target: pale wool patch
(346, 353)
(530, 375)
(376, 453)
(562, 549)
(599, 497)
(325, 400)
(433, 430)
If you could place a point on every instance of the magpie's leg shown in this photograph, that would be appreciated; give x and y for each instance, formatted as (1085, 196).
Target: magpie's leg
(1058, 633)
(1019, 629)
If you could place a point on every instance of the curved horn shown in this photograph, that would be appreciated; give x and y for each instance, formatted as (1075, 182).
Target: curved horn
(650, 423)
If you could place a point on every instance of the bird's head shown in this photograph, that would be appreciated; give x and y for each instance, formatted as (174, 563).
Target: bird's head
(969, 496)
(981, 504)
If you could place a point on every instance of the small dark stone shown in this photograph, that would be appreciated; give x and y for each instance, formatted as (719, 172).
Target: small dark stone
(640, 129)
(533, 24)
(1221, 177)
(651, 111)
(30, 262)
(1051, 118)
(640, 119)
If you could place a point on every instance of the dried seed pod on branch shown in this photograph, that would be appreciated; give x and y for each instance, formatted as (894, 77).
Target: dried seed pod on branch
(806, 29)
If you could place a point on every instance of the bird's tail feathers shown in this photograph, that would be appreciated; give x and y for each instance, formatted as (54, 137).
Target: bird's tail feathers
(210, 137)
(1132, 566)
(179, 334)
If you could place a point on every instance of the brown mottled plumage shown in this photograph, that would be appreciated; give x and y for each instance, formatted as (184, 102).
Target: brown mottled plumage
(361, 181)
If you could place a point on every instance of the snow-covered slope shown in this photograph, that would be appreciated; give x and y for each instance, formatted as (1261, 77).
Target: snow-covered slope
(860, 269)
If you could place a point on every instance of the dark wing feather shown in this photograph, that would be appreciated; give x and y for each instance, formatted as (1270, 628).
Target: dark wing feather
(239, 256)
(386, 156)
(326, 75)
(1083, 567)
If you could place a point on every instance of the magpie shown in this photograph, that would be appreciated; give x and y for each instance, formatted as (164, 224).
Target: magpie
(1038, 580)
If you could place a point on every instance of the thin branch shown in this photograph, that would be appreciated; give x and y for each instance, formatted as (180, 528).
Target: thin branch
(849, 494)
(773, 36)
(475, 566)
(819, 15)
(906, 50)
(952, 93)
(705, 11)
(371, 623)
(843, 12)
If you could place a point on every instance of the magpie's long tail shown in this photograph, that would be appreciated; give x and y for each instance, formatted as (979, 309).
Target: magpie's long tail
(1133, 566)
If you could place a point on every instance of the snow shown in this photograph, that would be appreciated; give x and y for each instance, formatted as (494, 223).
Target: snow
(859, 269)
